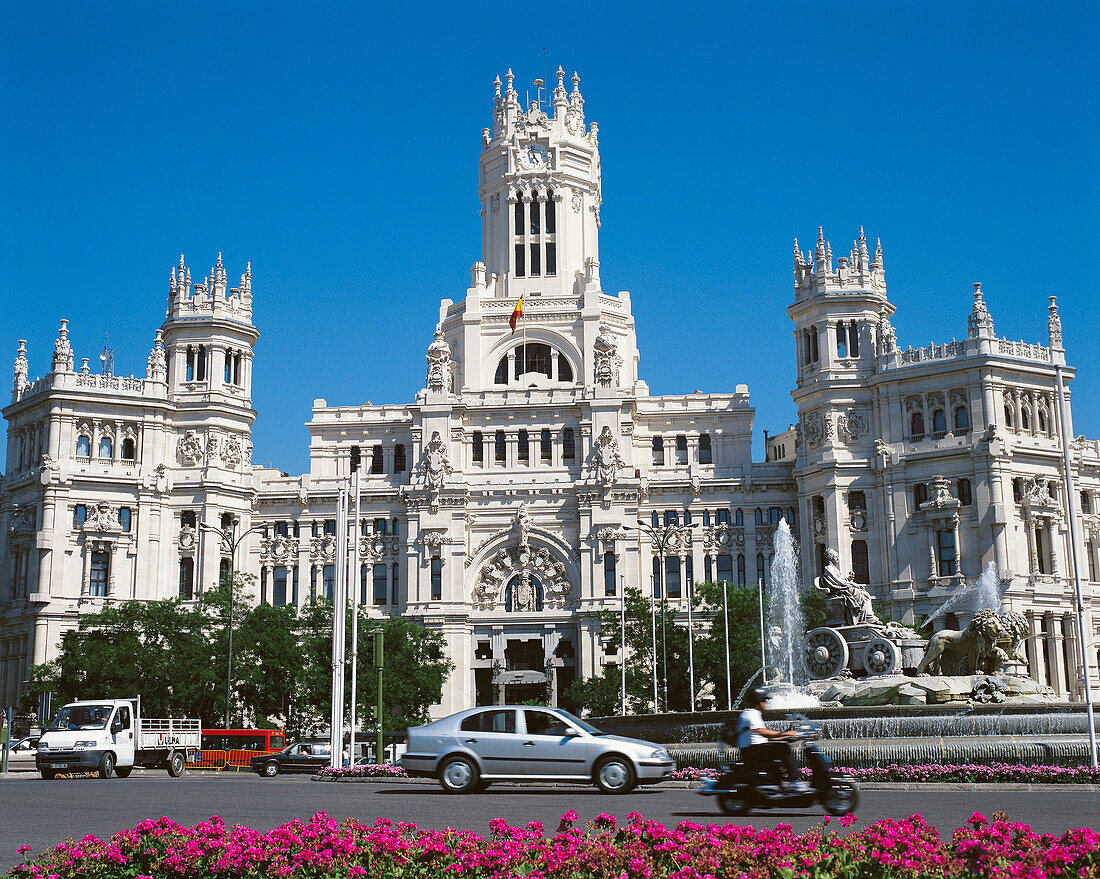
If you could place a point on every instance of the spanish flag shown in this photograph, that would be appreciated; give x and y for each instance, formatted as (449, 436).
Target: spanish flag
(516, 314)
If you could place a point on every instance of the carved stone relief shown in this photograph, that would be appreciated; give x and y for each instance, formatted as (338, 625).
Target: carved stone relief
(189, 448)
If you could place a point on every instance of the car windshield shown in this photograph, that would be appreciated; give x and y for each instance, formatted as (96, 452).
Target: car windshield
(580, 724)
(82, 717)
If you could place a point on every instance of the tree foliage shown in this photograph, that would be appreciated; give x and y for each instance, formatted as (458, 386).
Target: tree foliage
(176, 657)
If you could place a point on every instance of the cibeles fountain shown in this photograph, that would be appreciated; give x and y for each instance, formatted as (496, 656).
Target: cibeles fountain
(858, 659)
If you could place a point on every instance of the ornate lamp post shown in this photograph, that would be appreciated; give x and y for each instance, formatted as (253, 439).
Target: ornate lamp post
(664, 538)
(227, 540)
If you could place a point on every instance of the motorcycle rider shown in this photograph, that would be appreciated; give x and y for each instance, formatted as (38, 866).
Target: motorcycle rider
(760, 747)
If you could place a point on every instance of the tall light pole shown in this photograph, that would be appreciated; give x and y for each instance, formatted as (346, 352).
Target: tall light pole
(357, 579)
(228, 540)
(622, 642)
(665, 537)
(726, 618)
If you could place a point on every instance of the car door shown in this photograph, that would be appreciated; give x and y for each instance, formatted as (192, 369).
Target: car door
(492, 735)
(319, 758)
(293, 759)
(553, 748)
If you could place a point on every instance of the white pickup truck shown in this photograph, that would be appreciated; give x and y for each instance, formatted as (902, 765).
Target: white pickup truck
(110, 736)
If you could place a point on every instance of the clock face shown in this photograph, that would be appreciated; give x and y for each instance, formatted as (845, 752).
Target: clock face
(534, 155)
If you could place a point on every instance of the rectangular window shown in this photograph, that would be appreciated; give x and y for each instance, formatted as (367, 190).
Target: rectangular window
(500, 452)
(568, 445)
(535, 268)
(672, 517)
(723, 517)
(656, 577)
(966, 497)
(774, 515)
(759, 567)
(672, 576)
(945, 552)
(725, 568)
(920, 494)
(80, 514)
(399, 463)
(524, 447)
(380, 584)
(281, 529)
(395, 526)
(708, 569)
(1042, 549)
(263, 585)
(294, 586)
(546, 447)
(689, 575)
(100, 573)
(380, 526)
(187, 579)
(609, 573)
(394, 581)
(740, 569)
(551, 219)
(681, 449)
(329, 584)
(857, 500)
(278, 586)
(125, 518)
(479, 448)
(376, 459)
(330, 527)
(187, 517)
(363, 571)
(704, 448)
(551, 259)
(706, 517)
(437, 578)
(658, 451)
(861, 567)
(520, 269)
(190, 364)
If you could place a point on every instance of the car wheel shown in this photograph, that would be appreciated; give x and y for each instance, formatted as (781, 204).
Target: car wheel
(458, 776)
(614, 775)
(270, 769)
(176, 765)
(107, 765)
(734, 803)
(48, 775)
(842, 799)
(123, 771)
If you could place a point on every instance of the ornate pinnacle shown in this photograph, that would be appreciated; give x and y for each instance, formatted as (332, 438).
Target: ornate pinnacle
(576, 83)
(1054, 324)
(496, 86)
(862, 244)
(561, 77)
(876, 260)
(797, 254)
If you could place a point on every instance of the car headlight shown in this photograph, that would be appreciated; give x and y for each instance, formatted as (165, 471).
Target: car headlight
(84, 745)
(659, 754)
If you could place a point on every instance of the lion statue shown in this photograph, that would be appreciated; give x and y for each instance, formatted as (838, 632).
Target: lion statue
(978, 649)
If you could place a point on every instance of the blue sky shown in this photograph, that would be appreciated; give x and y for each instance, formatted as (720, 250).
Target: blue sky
(335, 146)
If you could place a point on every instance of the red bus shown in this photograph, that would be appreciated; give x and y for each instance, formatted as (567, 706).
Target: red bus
(259, 741)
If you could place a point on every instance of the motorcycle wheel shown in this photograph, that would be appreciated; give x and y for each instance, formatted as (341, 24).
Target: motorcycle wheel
(734, 803)
(841, 799)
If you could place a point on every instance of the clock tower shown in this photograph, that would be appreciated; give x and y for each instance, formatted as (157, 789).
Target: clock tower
(539, 181)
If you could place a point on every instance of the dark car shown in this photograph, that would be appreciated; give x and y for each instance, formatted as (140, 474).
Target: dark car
(308, 757)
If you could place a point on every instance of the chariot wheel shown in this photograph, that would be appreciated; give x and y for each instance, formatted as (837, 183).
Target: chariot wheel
(826, 653)
(881, 657)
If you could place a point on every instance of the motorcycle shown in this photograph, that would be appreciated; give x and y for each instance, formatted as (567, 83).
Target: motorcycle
(740, 788)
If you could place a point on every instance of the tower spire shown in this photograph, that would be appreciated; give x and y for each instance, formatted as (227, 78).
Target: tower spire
(1054, 324)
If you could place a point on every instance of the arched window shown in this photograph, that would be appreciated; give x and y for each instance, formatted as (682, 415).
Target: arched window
(83, 447)
(568, 446)
(1009, 421)
(609, 573)
(916, 426)
(1042, 420)
(546, 446)
(129, 449)
(760, 567)
(501, 377)
(841, 340)
(962, 420)
(655, 519)
(758, 518)
(534, 214)
(125, 518)
(704, 448)
(1025, 418)
(519, 214)
(939, 423)
(740, 569)
(565, 371)
(106, 448)
(551, 219)
(738, 517)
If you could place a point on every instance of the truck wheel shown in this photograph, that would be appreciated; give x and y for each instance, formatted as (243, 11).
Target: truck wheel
(123, 771)
(48, 775)
(269, 769)
(176, 765)
(107, 765)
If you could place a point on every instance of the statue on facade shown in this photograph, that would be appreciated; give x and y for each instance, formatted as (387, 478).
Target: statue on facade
(435, 467)
(523, 593)
(887, 338)
(606, 357)
(523, 527)
(439, 364)
(606, 458)
(855, 599)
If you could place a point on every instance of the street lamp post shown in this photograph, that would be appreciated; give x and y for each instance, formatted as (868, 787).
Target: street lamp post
(228, 540)
(663, 537)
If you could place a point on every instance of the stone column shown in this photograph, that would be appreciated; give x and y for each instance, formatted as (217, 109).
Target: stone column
(1032, 549)
(958, 553)
(1057, 655)
(1034, 653)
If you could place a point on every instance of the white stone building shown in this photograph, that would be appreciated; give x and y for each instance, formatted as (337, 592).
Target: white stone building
(500, 504)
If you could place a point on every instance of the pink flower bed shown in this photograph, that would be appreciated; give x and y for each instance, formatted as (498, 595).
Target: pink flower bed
(369, 770)
(994, 773)
(638, 849)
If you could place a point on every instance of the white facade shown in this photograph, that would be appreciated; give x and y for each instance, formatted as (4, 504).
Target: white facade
(500, 504)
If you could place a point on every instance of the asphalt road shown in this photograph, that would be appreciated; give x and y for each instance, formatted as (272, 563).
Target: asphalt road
(42, 813)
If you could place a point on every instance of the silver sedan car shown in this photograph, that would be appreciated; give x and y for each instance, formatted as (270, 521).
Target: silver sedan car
(469, 750)
(21, 755)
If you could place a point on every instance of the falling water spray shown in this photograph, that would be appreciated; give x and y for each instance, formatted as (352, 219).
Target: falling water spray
(786, 628)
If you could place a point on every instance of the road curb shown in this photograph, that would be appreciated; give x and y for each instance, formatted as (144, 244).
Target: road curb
(691, 785)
